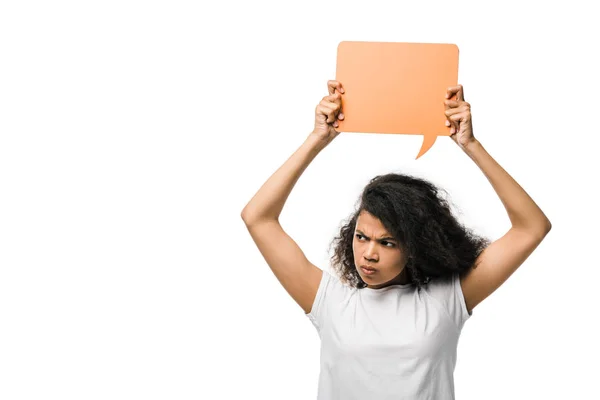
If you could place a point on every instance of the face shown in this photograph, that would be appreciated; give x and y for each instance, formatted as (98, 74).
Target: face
(375, 247)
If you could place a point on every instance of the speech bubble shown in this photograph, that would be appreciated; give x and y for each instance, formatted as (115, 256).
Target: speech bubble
(396, 87)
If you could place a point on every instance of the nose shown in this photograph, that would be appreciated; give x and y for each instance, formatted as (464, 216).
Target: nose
(370, 254)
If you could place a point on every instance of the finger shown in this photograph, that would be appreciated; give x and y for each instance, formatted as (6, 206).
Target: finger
(449, 112)
(456, 120)
(450, 91)
(338, 102)
(464, 107)
(463, 116)
(456, 90)
(452, 111)
(333, 85)
(327, 110)
(451, 103)
(456, 103)
(333, 100)
(451, 123)
(454, 125)
(458, 117)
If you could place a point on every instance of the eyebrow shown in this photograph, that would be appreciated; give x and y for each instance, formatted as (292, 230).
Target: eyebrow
(383, 238)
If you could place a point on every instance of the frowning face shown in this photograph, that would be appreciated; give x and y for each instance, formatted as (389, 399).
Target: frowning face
(375, 248)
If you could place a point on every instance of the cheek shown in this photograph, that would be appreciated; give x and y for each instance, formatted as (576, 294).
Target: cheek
(356, 250)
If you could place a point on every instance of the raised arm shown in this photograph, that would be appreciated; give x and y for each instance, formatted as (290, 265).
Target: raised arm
(529, 224)
(299, 277)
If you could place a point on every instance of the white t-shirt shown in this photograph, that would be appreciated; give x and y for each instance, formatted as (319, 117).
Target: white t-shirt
(391, 343)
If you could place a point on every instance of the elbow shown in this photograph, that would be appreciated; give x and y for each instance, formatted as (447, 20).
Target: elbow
(544, 229)
(548, 228)
(244, 215)
(537, 231)
(253, 218)
(248, 221)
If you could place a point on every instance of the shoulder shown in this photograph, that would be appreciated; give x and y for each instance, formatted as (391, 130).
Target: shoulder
(439, 287)
(331, 291)
(333, 285)
(447, 292)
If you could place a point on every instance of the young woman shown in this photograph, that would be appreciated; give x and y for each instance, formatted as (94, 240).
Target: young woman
(408, 273)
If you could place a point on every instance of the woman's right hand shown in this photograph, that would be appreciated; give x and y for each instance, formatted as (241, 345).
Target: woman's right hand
(328, 112)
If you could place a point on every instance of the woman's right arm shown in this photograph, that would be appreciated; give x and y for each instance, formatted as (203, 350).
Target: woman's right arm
(298, 276)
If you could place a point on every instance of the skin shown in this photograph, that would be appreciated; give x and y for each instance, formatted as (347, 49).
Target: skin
(370, 249)
(529, 225)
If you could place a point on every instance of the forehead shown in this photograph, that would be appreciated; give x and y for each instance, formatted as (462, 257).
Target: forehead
(368, 222)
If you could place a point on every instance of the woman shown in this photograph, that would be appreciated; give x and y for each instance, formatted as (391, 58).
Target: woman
(409, 275)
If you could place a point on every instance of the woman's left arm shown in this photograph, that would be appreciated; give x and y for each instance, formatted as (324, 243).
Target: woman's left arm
(529, 225)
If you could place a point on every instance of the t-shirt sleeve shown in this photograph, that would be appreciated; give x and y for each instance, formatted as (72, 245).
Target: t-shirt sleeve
(448, 293)
(330, 291)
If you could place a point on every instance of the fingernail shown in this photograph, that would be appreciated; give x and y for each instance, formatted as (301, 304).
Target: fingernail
(342, 90)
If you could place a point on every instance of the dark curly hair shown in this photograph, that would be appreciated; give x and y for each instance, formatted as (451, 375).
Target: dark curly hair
(413, 211)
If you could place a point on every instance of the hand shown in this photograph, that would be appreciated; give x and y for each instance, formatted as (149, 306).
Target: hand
(458, 113)
(328, 112)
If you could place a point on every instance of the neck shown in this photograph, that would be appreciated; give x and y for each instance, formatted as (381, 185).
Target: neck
(400, 279)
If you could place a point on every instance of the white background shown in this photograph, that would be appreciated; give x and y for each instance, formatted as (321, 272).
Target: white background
(132, 134)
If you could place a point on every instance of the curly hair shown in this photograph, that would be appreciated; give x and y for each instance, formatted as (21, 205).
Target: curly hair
(413, 211)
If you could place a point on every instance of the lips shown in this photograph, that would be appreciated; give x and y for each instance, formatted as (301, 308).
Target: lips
(367, 270)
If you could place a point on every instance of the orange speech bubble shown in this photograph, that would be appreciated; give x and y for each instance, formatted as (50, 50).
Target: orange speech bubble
(396, 87)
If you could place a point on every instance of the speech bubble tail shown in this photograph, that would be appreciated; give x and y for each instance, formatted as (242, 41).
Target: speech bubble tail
(428, 141)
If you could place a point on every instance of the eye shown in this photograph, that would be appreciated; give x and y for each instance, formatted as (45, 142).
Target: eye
(384, 242)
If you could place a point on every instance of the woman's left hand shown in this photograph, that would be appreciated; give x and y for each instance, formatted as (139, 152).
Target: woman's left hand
(458, 113)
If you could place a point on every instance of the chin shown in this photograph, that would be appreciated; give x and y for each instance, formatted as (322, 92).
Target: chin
(370, 278)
